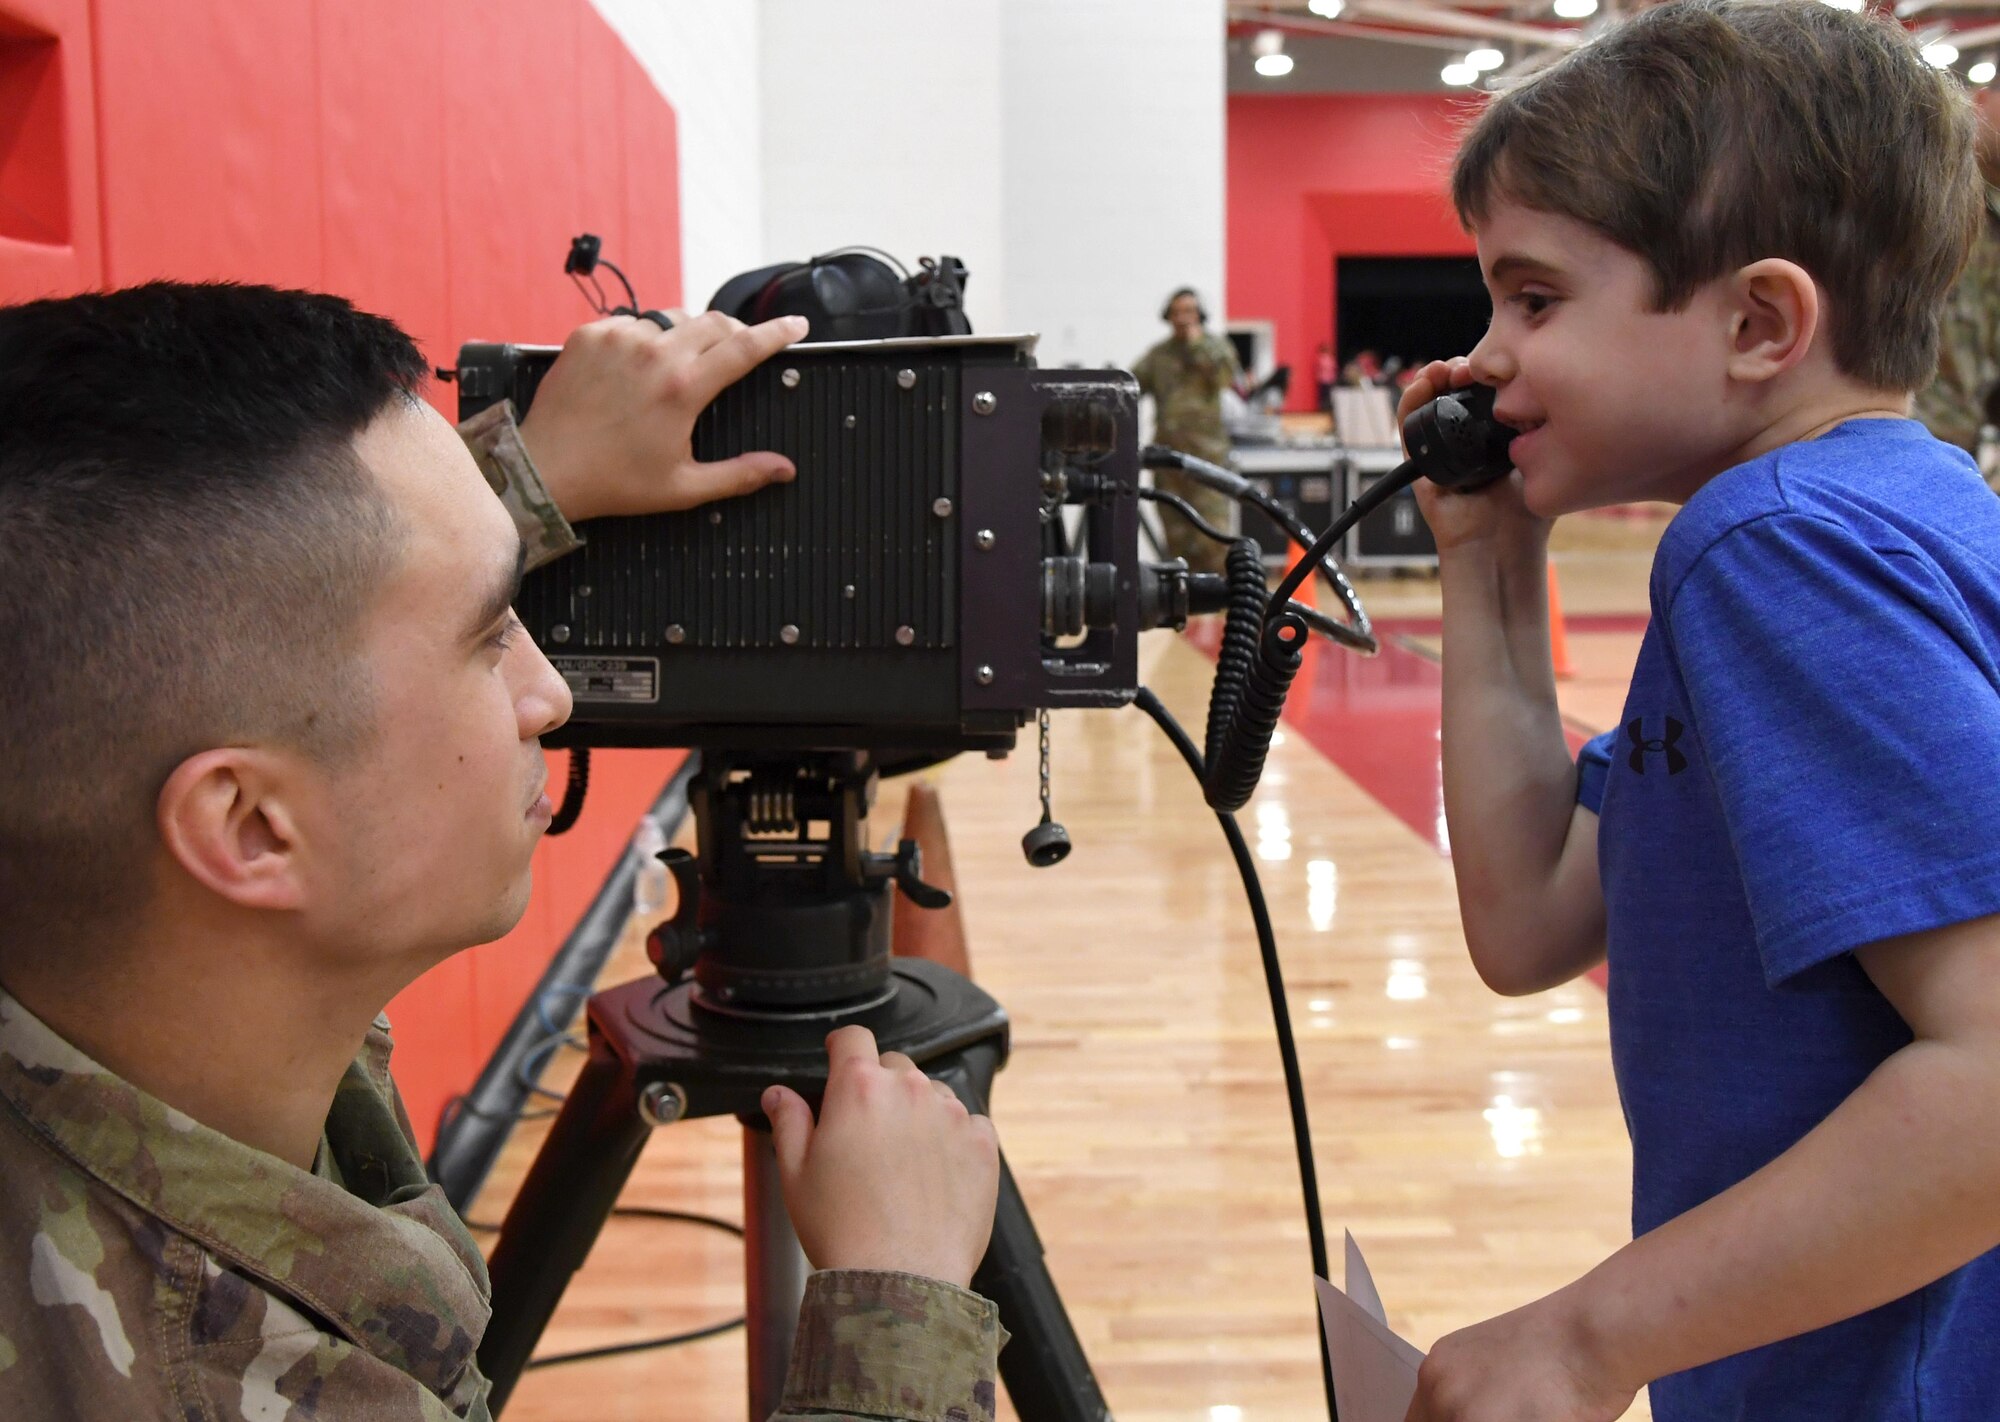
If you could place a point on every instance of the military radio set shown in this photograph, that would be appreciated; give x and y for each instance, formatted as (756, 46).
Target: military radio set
(958, 556)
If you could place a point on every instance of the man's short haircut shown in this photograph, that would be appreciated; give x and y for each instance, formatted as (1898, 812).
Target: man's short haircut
(1707, 134)
(188, 547)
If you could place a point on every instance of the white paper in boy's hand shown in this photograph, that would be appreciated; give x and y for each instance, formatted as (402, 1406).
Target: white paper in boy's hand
(1374, 1371)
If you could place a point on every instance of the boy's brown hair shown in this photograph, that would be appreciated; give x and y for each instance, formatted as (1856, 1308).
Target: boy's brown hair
(1707, 134)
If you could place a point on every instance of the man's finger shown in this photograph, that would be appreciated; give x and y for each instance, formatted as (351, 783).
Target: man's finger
(791, 1128)
(737, 354)
(732, 478)
(703, 333)
(847, 1045)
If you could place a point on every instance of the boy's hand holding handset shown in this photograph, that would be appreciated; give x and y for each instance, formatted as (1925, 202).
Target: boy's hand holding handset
(1456, 520)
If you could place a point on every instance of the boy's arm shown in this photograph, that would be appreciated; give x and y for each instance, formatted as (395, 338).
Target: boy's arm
(1890, 1192)
(1523, 852)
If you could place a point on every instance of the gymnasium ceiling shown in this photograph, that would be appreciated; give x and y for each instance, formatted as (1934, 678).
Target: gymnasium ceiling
(1403, 45)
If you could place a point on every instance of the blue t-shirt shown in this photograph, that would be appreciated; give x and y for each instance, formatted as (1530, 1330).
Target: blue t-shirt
(1808, 762)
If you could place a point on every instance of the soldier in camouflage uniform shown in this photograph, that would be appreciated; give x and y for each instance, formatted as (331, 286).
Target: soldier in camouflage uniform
(152, 1266)
(1961, 401)
(1186, 375)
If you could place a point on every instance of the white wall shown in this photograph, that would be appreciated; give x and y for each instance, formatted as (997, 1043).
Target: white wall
(882, 126)
(1113, 115)
(1069, 151)
(703, 55)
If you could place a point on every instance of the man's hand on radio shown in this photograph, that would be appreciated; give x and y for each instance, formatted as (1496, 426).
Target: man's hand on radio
(612, 425)
(895, 1175)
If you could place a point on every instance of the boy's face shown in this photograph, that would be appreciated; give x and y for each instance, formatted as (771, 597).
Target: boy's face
(429, 830)
(1616, 402)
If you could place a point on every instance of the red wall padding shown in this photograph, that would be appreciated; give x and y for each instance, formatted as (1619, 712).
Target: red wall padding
(1315, 177)
(429, 159)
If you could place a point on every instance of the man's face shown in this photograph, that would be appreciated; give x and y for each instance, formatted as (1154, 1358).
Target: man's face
(431, 827)
(1616, 401)
(1184, 314)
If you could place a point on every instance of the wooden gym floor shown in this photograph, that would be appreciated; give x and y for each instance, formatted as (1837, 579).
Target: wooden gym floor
(1472, 1143)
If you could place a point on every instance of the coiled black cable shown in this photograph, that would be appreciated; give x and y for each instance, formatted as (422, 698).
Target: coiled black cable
(1243, 715)
(1242, 626)
(579, 782)
(1239, 743)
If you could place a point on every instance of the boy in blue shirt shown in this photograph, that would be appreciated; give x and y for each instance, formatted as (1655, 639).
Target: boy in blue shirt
(1718, 240)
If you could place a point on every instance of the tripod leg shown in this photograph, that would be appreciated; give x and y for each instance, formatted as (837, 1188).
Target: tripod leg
(1043, 1365)
(1046, 1373)
(774, 1274)
(557, 1215)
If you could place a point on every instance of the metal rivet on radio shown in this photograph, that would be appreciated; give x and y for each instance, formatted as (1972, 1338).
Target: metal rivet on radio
(905, 636)
(848, 422)
(906, 378)
(942, 508)
(661, 1103)
(789, 378)
(983, 403)
(559, 632)
(676, 634)
(788, 634)
(848, 592)
(984, 676)
(583, 591)
(984, 538)
(715, 516)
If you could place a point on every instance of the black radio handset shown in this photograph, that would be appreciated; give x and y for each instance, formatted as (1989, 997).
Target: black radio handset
(1455, 442)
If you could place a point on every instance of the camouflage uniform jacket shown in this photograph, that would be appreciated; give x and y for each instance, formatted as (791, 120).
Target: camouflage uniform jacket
(1953, 406)
(153, 1268)
(1186, 380)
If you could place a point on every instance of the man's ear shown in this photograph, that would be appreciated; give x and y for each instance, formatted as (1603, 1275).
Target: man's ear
(226, 818)
(1774, 317)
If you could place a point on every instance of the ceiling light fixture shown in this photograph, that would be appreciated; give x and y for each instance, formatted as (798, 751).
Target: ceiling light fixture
(1982, 72)
(1576, 9)
(1274, 66)
(1326, 9)
(1458, 74)
(1484, 59)
(1940, 55)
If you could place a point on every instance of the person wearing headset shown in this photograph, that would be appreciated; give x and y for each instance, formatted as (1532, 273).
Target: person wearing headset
(1186, 375)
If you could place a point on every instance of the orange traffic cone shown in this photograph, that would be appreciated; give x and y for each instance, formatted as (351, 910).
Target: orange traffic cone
(1558, 633)
(1308, 592)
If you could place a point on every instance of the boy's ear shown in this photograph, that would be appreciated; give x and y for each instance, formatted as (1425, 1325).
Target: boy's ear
(1774, 316)
(226, 818)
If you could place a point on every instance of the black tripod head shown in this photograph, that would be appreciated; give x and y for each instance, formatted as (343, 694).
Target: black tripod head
(785, 911)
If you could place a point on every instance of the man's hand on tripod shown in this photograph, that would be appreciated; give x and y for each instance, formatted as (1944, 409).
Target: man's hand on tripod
(895, 1175)
(612, 426)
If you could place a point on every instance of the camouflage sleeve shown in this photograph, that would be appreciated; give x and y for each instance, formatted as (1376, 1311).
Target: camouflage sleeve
(892, 1346)
(495, 441)
(1142, 371)
(1953, 406)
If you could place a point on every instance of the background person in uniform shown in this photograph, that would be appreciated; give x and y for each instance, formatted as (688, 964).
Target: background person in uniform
(271, 732)
(1961, 401)
(1186, 375)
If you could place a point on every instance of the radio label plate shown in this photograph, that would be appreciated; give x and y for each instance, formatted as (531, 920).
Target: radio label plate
(624, 681)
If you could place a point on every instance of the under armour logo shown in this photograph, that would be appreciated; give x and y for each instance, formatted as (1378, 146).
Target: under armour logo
(1663, 745)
